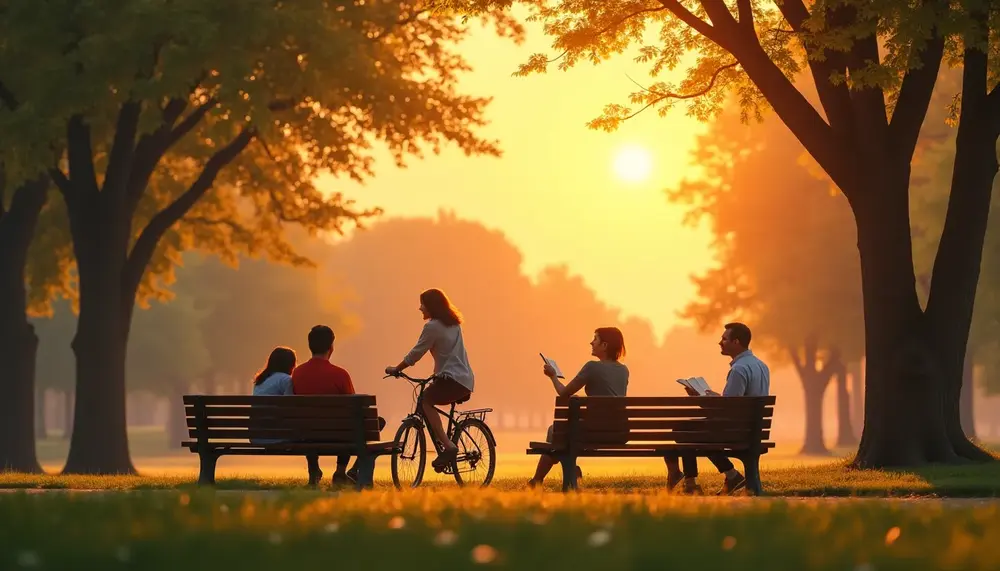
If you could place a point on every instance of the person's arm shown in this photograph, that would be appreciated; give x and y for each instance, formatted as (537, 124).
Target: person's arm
(286, 386)
(736, 383)
(348, 384)
(424, 343)
(571, 388)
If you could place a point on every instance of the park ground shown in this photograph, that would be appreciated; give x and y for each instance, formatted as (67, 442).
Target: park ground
(818, 515)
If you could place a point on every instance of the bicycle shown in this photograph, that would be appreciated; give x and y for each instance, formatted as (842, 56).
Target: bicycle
(468, 430)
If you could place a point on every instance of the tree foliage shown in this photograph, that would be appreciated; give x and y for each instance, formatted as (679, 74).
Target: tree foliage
(280, 91)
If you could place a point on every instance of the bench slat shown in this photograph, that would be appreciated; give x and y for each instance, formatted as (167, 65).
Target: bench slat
(707, 424)
(277, 412)
(708, 402)
(284, 448)
(548, 446)
(284, 401)
(678, 412)
(741, 437)
(700, 450)
(287, 434)
(271, 422)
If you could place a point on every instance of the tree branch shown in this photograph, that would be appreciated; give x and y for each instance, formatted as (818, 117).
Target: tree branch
(696, 23)
(145, 245)
(835, 98)
(800, 367)
(745, 9)
(60, 180)
(82, 176)
(869, 101)
(122, 149)
(915, 97)
(173, 109)
(191, 121)
(664, 96)
(152, 147)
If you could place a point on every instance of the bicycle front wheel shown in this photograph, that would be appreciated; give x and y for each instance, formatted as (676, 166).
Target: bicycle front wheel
(477, 453)
(409, 462)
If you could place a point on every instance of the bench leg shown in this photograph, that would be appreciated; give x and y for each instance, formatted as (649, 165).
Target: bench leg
(366, 472)
(569, 473)
(206, 475)
(752, 465)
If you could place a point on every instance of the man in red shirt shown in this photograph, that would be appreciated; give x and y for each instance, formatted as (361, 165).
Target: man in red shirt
(318, 376)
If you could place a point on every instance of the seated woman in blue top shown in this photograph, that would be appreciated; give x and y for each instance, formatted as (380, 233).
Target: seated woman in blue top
(275, 379)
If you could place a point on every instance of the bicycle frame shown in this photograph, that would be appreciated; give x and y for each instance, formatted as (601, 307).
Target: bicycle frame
(418, 414)
(453, 418)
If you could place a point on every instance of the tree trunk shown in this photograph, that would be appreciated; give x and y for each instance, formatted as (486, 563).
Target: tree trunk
(19, 344)
(176, 417)
(857, 399)
(814, 443)
(967, 402)
(910, 379)
(845, 433)
(99, 444)
(814, 383)
(17, 407)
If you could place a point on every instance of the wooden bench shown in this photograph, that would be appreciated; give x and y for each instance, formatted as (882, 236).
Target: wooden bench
(320, 425)
(631, 427)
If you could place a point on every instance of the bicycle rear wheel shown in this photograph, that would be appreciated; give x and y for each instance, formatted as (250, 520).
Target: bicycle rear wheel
(408, 464)
(477, 453)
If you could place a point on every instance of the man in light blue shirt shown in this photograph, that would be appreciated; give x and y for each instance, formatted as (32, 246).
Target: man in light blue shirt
(748, 377)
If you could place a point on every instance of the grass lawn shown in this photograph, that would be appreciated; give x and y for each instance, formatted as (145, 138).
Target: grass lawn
(829, 479)
(622, 520)
(466, 529)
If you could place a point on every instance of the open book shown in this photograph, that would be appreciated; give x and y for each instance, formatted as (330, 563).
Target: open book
(698, 384)
(554, 365)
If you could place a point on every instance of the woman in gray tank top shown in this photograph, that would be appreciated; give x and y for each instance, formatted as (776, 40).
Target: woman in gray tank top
(605, 377)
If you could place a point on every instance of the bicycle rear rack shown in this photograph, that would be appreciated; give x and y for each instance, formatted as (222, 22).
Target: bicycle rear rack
(476, 413)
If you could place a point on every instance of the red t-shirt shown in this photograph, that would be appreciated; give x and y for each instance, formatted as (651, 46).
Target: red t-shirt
(317, 376)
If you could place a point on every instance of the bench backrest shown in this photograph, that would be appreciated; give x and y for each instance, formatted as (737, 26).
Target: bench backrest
(338, 419)
(607, 422)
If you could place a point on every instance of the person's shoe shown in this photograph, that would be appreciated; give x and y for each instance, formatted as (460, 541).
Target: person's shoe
(444, 460)
(315, 478)
(340, 479)
(533, 483)
(732, 485)
(673, 480)
(691, 488)
(352, 475)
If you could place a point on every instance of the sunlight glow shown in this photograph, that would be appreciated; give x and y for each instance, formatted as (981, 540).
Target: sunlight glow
(633, 164)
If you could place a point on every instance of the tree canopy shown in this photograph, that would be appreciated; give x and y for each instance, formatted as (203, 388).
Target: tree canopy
(170, 125)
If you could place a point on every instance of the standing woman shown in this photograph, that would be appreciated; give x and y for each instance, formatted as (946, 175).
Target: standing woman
(453, 378)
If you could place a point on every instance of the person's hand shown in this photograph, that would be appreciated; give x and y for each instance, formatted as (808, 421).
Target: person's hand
(391, 371)
(548, 370)
(712, 393)
(691, 392)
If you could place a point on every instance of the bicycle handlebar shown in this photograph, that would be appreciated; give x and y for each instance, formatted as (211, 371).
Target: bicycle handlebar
(401, 374)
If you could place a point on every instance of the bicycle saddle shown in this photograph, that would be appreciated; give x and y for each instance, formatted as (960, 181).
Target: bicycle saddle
(464, 399)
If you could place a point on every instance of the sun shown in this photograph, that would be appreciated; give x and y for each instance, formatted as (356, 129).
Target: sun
(633, 164)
